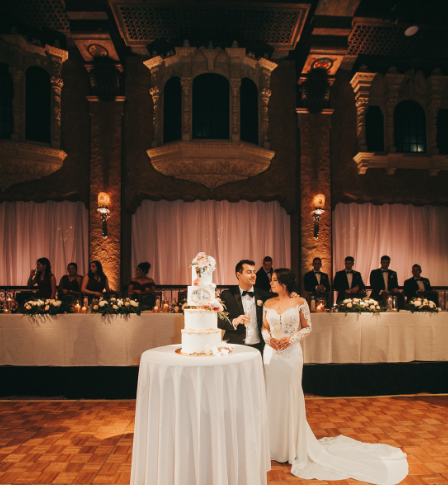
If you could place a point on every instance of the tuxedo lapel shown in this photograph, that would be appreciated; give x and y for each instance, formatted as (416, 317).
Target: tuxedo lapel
(259, 308)
(239, 303)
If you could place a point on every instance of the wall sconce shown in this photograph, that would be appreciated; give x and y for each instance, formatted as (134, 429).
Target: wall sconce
(319, 204)
(103, 209)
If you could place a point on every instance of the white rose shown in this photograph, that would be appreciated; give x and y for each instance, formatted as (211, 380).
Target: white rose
(120, 302)
(362, 304)
(439, 309)
(115, 307)
(57, 303)
(103, 303)
(377, 307)
(134, 303)
(417, 303)
(372, 307)
(347, 300)
(349, 305)
(432, 304)
(355, 300)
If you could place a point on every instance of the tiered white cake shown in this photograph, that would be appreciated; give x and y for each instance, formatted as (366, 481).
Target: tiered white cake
(201, 330)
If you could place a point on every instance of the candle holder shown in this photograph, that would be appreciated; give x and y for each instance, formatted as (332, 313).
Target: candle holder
(104, 211)
(319, 204)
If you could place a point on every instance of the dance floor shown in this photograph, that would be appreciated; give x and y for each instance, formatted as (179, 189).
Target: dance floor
(71, 442)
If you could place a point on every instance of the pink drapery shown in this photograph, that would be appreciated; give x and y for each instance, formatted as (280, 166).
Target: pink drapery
(54, 230)
(408, 234)
(170, 234)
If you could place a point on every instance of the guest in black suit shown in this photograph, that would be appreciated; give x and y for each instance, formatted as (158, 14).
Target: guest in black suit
(245, 306)
(415, 286)
(348, 281)
(316, 281)
(383, 280)
(264, 275)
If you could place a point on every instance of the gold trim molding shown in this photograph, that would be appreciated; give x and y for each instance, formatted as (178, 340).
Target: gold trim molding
(210, 163)
(22, 162)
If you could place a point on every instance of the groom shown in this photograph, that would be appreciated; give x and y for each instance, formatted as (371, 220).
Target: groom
(244, 304)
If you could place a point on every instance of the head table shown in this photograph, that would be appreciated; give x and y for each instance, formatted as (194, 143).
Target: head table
(91, 340)
(200, 420)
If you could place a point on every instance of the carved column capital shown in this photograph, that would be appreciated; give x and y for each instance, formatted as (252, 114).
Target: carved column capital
(56, 88)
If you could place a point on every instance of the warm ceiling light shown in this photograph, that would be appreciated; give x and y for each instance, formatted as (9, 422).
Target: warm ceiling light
(412, 30)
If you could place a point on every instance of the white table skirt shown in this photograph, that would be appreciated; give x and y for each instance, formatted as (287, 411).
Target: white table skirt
(200, 420)
(91, 340)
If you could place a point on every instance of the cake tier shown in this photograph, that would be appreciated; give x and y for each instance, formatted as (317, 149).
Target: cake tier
(206, 278)
(200, 295)
(200, 319)
(197, 341)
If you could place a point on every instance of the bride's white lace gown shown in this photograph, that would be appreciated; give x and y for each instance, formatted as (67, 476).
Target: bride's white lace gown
(291, 437)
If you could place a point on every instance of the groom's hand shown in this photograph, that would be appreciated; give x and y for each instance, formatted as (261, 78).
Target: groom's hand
(240, 320)
(293, 295)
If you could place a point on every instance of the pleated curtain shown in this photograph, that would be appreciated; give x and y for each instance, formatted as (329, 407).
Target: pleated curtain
(29, 231)
(170, 234)
(408, 234)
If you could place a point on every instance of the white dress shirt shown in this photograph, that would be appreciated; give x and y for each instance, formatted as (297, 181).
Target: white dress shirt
(250, 309)
(349, 279)
(318, 276)
(421, 285)
(385, 278)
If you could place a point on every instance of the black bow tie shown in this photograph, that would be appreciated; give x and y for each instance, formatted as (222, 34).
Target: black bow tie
(349, 272)
(250, 293)
(384, 271)
(317, 272)
(418, 279)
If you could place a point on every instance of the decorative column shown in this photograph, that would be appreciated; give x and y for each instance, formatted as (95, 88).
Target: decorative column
(361, 84)
(187, 86)
(56, 88)
(155, 93)
(235, 85)
(17, 74)
(315, 178)
(265, 94)
(105, 176)
(437, 84)
(392, 81)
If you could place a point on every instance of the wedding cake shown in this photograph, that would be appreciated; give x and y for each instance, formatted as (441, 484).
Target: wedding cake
(201, 332)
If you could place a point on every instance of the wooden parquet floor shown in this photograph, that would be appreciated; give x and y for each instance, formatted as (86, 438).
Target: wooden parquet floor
(90, 442)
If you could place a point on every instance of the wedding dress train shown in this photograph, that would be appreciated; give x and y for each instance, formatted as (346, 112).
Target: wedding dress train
(291, 438)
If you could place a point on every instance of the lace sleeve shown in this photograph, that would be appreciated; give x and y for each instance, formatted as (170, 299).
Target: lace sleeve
(265, 331)
(304, 317)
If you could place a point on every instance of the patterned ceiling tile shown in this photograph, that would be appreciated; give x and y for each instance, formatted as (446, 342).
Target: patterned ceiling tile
(48, 14)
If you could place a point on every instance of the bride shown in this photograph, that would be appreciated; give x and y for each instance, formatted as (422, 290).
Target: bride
(286, 322)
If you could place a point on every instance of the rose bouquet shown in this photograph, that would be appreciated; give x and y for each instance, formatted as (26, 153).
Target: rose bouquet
(45, 307)
(215, 305)
(358, 305)
(116, 306)
(201, 259)
(422, 305)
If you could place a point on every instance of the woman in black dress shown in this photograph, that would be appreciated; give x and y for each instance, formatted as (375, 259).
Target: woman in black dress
(142, 286)
(44, 279)
(95, 281)
(70, 285)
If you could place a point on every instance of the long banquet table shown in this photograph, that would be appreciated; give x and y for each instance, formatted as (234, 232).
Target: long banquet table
(91, 340)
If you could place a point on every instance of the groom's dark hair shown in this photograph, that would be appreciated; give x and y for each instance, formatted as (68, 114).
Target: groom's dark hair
(239, 267)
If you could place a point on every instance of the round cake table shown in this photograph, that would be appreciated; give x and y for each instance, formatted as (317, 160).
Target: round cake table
(200, 420)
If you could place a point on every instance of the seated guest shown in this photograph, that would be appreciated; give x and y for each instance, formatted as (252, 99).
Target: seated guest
(348, 282)
(415, 286)
(383, 280)
(316, 281)
(95, 281)
(44, 279)
(143, 286)
(264, 275)
(70, 285)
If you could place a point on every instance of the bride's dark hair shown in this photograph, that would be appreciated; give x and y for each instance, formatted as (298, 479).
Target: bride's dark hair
(286, 277)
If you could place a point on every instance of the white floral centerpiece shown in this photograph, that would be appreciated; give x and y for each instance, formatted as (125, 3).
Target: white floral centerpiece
(45, 307)
(116, 306)
(422, 305)
(359, 305)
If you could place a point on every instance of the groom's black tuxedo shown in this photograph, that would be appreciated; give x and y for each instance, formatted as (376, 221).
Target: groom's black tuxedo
(232, 300)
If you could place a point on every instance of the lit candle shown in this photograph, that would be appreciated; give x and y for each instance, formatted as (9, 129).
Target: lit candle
(83, 309)
(166, 308)
(155, 309)
(77, 308)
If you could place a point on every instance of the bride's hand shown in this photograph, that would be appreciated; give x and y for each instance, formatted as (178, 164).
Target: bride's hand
(283, 343)
(274, 343)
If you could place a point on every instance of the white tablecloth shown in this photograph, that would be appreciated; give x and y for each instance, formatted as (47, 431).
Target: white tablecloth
(200, 420)
(91, 340)
(388, 337)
